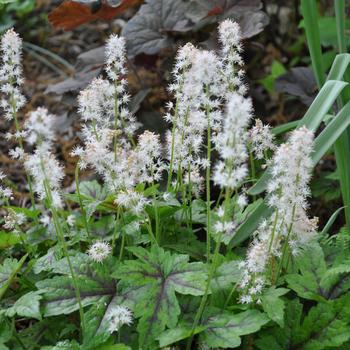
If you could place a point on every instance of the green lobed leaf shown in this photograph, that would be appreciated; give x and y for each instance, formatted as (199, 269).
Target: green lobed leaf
(278, 338)
(94, 281)
(312, 266)
(225, 329)
(326, 325)
(154, 278)
(8, 271)
(27, 306)
(316, 280)
(96, 323)
(273, 305)
(180, 332)
(8, 239)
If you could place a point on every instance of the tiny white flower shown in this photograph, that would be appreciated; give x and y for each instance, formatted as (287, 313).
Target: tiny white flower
(99, 251)
(71, 220)
(117, 316)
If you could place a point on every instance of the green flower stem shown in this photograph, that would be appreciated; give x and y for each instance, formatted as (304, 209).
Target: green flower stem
(212, 271)
(285, 244)
(116, 116)
(230, 295)
(252, 169)
(170, 174)
(150, 231)
(121, 252)
(157, 221)
(207, 178)
(20, 142)
(61, 238)
(116, 227)
(77, 184)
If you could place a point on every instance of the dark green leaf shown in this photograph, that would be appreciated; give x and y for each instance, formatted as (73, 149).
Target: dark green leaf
(273, 305)
(224, 329)
(94, 281)
(153, 279)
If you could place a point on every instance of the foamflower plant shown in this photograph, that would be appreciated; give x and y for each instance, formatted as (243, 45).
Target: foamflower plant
(148, 253)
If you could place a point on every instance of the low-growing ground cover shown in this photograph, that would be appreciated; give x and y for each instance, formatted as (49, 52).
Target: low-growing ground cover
(199, 238)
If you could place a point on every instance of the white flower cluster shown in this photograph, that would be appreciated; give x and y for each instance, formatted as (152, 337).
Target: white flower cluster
(108, 145)
(261, 139)
(197, 85)
(289, 228)
(231, 143)
(11, 74)
(149, 157)
(230, 39)
(13, 219)
(5, 192)
(99, 251)
(42, 165)
(131, 200)
(117, 316)
(47, 175)
(40, 126)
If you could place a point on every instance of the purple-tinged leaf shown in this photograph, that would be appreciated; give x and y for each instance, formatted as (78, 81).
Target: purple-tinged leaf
(147, 32)
(246, 12)
(151, 281)
(299, 82)
(224, 329)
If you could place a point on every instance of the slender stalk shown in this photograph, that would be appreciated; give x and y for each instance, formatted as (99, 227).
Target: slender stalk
(212, 271)
(77, 184)
(61, 238)
(20, 142)
(230, 295)
(156, 214)
(342, 145)
(116, 116)
(150, 231)
(173, 130)
(207, 178)
(121, 252)
(285, 245)
(116, 227)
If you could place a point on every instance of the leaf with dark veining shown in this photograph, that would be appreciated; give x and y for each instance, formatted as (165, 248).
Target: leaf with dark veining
(153, 280)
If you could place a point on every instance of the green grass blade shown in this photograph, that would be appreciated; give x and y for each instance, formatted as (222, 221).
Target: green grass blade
(322, 104)
(280, 129)
(312, 119)
(342, 146)
(339, 66)
(331, 133)
(339, 8)
(310, 13)
(250, 224)
(330, 222)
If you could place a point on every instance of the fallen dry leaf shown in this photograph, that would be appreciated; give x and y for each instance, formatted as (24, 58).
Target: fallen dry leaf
(71, 14)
